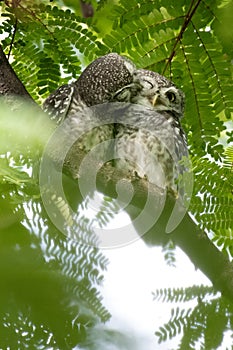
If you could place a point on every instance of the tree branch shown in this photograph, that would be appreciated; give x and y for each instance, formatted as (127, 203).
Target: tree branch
(10, 84)
(187, 235)
(187, 19)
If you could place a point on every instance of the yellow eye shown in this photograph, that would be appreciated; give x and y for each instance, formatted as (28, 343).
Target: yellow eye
(171, 96)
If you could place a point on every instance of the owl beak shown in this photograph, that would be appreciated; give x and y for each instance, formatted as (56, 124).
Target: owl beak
(155, 100)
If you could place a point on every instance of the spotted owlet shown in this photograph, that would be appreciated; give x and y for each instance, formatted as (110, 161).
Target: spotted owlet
(150, 141)
(98, 83)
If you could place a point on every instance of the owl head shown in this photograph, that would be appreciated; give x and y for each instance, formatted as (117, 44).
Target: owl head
(157, 92)
(103, 77)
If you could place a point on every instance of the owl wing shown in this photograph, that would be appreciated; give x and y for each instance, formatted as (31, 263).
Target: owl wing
(58, 103)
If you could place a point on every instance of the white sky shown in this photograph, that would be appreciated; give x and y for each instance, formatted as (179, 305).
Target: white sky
(133, 273)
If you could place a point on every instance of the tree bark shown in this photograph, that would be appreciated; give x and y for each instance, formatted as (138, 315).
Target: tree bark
(10, 84)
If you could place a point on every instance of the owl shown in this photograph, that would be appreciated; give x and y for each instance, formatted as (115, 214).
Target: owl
(150, 141)
(98, 84)
(104, 78)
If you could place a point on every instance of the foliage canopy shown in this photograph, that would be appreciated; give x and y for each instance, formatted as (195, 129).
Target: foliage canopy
(49, 44)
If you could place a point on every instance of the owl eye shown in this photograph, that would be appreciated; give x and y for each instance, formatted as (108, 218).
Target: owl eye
(146, 84)
(171, 96)
(122, 95)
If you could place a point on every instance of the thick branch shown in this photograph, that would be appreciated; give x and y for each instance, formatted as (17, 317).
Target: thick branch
(10, 84)
(192, 240)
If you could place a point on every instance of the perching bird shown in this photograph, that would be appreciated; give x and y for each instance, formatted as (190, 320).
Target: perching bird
(98, 83)
(150, 140)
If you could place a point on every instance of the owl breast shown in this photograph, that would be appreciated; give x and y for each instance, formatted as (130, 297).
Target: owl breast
(148, 146)
(145, 156)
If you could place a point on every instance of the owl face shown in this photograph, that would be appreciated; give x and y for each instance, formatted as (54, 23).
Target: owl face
(157, 92)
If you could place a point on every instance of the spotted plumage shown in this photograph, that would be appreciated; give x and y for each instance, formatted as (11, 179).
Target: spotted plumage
(150, 141)
(98, 83)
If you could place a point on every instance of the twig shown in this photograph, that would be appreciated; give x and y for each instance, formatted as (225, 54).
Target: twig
(13, 38)
(188, 18)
